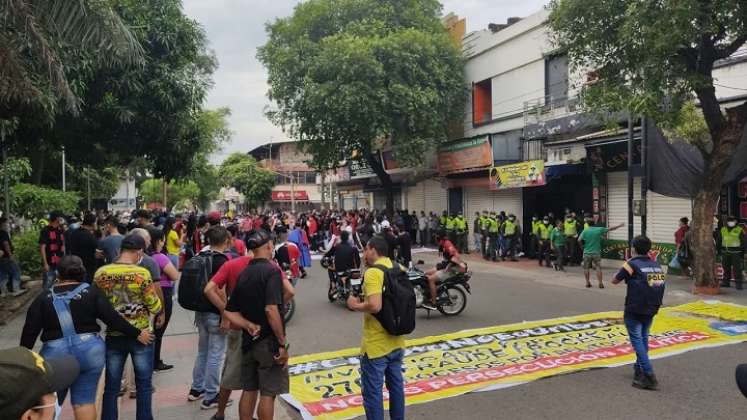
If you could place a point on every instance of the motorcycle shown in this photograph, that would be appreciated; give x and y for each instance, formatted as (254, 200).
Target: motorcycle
(452, 293)
(290, 307)
(347, 283)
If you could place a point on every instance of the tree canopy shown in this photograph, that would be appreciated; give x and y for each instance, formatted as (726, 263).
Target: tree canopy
(346, 74)
(653, 58)
(242, 172)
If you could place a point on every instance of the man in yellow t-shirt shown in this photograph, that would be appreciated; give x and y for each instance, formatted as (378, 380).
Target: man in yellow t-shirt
(381, 352)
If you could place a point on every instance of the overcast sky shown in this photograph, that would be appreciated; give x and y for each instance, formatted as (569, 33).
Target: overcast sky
(235, 28)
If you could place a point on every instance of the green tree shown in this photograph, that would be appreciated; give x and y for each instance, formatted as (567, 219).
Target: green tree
(34, 35)
(176, 191)
(33, 202)
(242, 172)
(652, 58)
(347, 74)
(103, 182)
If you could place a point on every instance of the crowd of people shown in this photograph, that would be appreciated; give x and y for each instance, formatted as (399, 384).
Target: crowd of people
(122, 269)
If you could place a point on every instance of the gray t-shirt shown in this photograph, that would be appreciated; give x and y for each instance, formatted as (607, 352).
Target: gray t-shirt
(111, 245)
(151, 265)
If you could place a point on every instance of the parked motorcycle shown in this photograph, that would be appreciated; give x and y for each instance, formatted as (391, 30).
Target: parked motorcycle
(452, 293)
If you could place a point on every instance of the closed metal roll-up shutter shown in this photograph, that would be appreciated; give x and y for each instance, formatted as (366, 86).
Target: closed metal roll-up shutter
(435, 196)
(479, 199)
(617, 204)
(416, 198)
(347, 203)
(664, 214)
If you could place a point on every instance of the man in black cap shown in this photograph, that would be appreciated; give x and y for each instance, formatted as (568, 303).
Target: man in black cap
(28, 383)
(258, 301)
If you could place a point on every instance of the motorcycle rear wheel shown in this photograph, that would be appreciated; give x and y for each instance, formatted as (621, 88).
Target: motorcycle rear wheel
(290, 309)
(458, 298)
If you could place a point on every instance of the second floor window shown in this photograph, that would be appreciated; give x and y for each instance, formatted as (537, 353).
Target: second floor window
(482, 102)
(556, 80)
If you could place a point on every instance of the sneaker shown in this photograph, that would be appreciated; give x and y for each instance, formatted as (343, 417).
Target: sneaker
(217, 417)
(195, 395)
(637, 377)
(429, 306)
(648, 382)
(160, 366)
(213, 403)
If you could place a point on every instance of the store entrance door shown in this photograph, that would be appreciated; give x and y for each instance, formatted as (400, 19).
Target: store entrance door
(573, 191)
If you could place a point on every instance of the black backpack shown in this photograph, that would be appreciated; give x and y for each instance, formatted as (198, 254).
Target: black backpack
(195, 276)
(397, 314)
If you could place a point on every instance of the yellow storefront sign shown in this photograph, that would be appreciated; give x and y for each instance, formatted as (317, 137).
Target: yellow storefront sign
(327, 385)
(518, 175)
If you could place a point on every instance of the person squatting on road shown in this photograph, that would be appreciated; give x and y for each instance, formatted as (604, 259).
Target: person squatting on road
(646, 281)
(381, 353)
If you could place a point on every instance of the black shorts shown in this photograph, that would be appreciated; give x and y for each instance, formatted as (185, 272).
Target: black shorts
(259, 372)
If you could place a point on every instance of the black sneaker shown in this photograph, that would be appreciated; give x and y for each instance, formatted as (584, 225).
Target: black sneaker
(429, 306)
(637, 377)
(195, 395)
(213, 403)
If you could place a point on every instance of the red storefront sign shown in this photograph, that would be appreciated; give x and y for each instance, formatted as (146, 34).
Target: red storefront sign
(286, 196)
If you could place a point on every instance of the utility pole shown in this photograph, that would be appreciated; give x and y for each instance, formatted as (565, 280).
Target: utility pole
(644, 174)
(88, 185)
(127, 188)
(64, 184)
(293, 194)
(630, 181)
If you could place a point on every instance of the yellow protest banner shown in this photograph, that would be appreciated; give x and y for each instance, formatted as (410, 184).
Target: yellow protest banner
(327, 385)
(530, 173)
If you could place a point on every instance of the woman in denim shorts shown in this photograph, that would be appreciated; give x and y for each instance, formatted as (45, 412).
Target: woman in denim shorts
(66, 315)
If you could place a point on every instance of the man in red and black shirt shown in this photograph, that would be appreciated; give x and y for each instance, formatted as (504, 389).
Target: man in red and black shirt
(451, 265)
(51, 247)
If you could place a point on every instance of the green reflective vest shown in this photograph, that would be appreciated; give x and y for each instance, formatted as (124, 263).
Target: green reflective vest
(535, 227)
(730, 238)
(460, 224)
(544, 231)
(570, 228)
(442, 221)
(509, 228)
(586, 225)
(449, 223)
(493, 227)
(484, 223)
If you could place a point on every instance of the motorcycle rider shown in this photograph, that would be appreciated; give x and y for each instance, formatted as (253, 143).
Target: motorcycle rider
(346, 257)
(451, 265)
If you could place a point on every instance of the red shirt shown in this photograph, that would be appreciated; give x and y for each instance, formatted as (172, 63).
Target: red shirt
(228, 274)
(240, 247)
(679, 236)
(313, 227)
(246, 226)
(294, 254)
(257, 223)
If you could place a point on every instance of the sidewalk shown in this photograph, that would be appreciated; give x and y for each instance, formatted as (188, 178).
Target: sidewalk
(679, 289)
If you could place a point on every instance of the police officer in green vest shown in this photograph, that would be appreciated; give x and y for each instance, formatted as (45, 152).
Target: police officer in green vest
(732, 244)
(493, 231)
(484, 226)
(511, 233)
(442, 220)
(534, 237)
(461, 232)
(451, 228)
(543, 231)
(570, 229)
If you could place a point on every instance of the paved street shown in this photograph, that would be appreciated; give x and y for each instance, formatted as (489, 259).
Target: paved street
(698, 384)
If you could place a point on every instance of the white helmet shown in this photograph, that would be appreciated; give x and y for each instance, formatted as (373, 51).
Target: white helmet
(385, 224)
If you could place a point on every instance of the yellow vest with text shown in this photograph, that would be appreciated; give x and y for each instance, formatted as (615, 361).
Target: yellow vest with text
(509, 228)
(730, 237)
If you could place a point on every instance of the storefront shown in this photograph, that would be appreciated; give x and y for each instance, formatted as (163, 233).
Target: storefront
(428, 195)
(304, 199)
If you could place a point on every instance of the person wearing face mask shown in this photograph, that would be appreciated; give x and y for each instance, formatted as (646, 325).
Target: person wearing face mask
(511, 231)
(544, 241)
(131, 291)
(731, 245)
(534, 238)
(570, 229)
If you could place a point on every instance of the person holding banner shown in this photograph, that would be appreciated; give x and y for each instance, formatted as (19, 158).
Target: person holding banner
(646, 282)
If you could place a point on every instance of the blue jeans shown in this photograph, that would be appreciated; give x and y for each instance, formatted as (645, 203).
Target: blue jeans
(638, 328)
(9, 272)
(50, 277)
(374, 372)
(117, 349)
(90, 351)
(211, 351)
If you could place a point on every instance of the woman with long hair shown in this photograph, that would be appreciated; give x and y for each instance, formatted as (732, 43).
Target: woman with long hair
(66, 315)
(169, 277)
